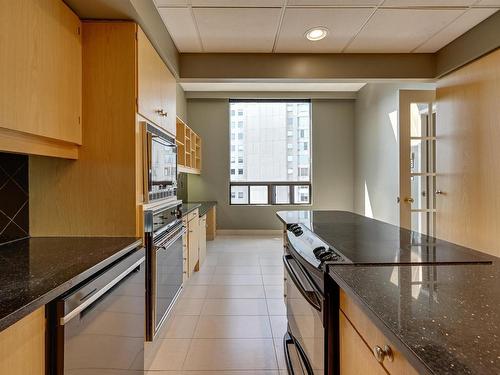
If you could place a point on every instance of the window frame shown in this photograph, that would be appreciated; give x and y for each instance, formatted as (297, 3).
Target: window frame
(271, 201)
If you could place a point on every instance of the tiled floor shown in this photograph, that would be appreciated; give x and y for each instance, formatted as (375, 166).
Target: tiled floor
(230, 319)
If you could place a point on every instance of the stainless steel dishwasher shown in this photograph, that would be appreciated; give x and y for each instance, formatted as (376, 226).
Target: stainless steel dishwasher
(99, 327)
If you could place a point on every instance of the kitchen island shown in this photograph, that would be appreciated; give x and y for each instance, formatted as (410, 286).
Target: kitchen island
(436, 305)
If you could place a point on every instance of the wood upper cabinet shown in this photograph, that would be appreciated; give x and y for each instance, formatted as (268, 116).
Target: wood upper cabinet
(40, 70)
(155, 86)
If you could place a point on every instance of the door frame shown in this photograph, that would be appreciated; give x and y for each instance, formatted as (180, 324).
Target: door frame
(406, 97)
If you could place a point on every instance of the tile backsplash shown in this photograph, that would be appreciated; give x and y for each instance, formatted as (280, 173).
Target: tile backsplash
(14, 197)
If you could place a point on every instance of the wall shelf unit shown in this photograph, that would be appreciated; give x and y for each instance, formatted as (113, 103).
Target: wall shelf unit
(188, 149)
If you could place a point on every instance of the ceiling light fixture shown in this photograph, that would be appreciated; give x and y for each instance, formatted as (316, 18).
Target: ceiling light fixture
(316, 33)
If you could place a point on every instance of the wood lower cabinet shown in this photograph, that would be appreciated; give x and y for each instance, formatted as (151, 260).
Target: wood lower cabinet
(355, 356)
(22, 346)
(156, 86)
(358, 339)
(202, 240)
(191, 221)
(40, 78)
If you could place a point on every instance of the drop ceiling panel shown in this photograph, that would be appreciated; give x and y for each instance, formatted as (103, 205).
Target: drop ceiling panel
(180, 25)
(342, 23)
(171, 3)
(237, 3)
(463, 23)
(334, 2)
(237, 29)
(401, 30)
(430, 3)
(489, 3)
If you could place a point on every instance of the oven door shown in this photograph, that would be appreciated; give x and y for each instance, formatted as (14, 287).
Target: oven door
(167, 272)
(304, 307)
(160, 164)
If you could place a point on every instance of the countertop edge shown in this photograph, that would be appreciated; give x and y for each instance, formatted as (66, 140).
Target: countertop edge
(408, 353)
(22, 312)
(198, 205)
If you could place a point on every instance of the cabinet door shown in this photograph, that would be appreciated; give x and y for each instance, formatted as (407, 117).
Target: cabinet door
(149, 73)
(193, 244)
(41, 69)
(168, 94)
(355, 357)
(202, 240)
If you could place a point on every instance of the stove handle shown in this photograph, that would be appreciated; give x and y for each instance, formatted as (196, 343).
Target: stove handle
(309, 293)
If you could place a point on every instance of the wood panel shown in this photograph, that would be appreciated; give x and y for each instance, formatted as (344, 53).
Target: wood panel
(41, 69)
(22, 346)
(25, 143)
(372, 336)
(95, 195)
(467, 154)
(355, 357)
(168, 99)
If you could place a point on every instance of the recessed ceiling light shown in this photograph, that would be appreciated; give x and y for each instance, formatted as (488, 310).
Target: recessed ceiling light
(316, 33)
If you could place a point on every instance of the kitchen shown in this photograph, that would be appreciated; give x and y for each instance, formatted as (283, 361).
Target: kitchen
(249, 187)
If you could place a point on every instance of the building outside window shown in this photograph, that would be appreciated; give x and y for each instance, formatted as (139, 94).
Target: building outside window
(272, 148)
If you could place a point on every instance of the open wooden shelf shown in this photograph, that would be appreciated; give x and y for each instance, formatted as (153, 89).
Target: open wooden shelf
(188, 149)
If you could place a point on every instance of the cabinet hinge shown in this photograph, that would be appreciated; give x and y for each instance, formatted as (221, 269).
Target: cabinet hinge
(79, 120)
(78, 30)
(136, 36)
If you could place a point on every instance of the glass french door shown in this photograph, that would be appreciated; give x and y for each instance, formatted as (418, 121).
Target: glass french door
(417, 164)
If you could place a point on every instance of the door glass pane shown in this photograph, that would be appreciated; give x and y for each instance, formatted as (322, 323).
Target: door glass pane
(419, 119)
(258, 195)
(301, 194)
(239, 194)
(282, 194)
(419, 192)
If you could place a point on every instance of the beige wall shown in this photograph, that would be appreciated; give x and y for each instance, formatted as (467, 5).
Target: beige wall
(376, 150)
(332, 145)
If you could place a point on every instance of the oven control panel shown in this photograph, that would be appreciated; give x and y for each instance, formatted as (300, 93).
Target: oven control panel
(311, 247)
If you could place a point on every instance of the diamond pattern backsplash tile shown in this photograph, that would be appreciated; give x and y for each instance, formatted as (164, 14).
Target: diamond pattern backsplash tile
(14, 197)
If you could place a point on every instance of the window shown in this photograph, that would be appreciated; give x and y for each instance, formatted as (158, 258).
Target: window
(272, 151)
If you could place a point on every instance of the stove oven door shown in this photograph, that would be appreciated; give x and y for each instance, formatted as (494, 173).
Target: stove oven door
(306, 337)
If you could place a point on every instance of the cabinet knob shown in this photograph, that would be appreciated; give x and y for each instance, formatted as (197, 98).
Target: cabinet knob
(382, 353)
(439, 192)
(409, 200)
(164, 113)
(159, 111)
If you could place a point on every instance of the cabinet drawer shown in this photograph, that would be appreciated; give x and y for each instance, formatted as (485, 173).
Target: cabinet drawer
(192, 215)
(355, 357)
(373, 337)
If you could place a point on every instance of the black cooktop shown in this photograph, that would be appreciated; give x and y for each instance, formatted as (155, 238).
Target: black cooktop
(356, 239)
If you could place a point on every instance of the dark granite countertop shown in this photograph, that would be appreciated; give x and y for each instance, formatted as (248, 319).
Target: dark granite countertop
(445, 318)
(35, 271)
(202, 207)
(368, 241)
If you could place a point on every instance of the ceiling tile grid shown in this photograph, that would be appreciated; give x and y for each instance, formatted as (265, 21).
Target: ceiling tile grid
(354, 26)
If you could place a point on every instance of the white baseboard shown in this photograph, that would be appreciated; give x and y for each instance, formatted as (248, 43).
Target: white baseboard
(249, 232)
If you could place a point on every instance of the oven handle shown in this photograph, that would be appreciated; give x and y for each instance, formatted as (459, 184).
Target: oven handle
(66, 318)
(309, 293)
(289, 340)
(170, 240)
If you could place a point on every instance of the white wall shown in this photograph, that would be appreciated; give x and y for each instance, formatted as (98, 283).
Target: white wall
(376, 150)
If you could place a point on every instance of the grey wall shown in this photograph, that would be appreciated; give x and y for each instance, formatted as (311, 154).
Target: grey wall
(376, 160)
(332, 146)
(181, 103)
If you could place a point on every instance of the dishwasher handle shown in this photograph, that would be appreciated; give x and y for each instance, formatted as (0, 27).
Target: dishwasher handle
(102, 291)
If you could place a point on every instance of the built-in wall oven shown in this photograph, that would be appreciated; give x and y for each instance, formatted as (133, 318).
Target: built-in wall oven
(160, 164)
(164, 233)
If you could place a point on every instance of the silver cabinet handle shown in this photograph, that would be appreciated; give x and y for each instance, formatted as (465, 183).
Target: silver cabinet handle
(382, 353)
(66, 318)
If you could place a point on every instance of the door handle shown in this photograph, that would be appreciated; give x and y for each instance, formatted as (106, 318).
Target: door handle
(307, 292)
